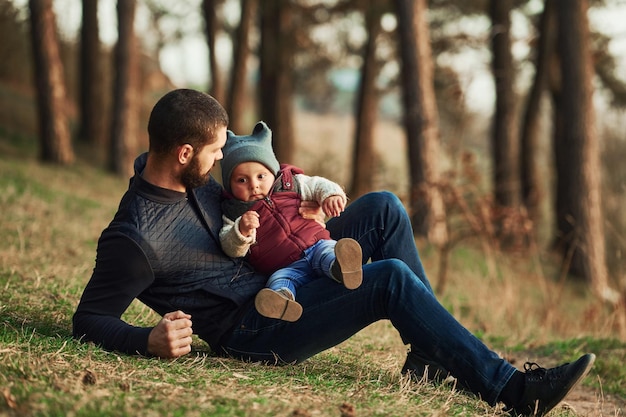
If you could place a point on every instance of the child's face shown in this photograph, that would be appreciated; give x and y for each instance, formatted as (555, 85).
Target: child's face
(251, 181)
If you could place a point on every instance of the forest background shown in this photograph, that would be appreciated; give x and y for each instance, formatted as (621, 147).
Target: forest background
(515, 183)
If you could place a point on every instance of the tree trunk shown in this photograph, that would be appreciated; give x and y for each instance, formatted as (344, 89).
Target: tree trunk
(505, 148)
(276, 86)
(268, 62)
(581, 230)
(237, 102)
(531, 181)
(125, 92)
(91, 88)
(367, 107)
(558, 143)
(54, 132)
(211, 25)
(421, 120)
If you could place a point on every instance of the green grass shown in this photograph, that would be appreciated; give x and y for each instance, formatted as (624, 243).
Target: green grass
(51, 219)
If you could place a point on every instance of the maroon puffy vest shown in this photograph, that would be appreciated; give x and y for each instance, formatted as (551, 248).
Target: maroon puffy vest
(283, 234)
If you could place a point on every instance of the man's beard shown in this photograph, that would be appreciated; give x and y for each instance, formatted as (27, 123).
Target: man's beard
(192, 177)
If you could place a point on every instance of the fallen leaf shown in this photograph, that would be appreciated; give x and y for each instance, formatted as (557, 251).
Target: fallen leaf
(9, 398)
(89, 377)
(347, 410)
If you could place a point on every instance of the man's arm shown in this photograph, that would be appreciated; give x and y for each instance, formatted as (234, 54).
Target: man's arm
(122, 272)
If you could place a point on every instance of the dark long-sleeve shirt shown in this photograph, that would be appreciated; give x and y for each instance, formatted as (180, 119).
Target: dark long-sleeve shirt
(162, 247)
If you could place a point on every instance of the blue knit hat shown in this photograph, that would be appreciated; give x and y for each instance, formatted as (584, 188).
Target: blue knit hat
(256, 147)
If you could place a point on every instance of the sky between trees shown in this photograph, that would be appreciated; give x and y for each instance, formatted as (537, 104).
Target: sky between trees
(186, 61)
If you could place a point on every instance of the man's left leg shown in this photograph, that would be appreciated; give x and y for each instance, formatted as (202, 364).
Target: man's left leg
(390, 290)
(380, 223)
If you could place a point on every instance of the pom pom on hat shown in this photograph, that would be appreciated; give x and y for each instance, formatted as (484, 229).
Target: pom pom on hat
(256, 147)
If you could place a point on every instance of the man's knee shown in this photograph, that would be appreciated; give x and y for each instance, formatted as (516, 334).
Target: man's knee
(386, 198)
(392, 269)
(385, 202)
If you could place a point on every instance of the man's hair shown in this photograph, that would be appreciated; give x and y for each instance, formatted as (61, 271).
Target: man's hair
(185, 116)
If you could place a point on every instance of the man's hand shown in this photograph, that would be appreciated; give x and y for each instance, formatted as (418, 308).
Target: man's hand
(171, 337)
(312, 211)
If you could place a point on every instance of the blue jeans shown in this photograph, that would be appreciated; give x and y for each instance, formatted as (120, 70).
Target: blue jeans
(394, 287)
(315, 264)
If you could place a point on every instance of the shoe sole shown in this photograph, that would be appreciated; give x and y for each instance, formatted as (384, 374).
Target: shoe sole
(349, 256)
(271, 304)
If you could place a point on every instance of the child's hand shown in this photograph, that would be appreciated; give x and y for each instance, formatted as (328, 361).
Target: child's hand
(249, 222)
(333, 205)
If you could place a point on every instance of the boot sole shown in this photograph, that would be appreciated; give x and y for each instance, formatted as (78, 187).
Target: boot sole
(271, 304)
(349, 256)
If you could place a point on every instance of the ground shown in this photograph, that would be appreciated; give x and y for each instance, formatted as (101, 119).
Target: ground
(586, 401)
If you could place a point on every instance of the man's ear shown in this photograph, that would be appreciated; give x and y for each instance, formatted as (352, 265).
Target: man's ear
(185, 153)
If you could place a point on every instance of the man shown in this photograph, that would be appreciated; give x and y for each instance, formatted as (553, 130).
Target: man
(162, 247)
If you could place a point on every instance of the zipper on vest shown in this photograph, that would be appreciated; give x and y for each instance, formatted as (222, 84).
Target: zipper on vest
(269, 201)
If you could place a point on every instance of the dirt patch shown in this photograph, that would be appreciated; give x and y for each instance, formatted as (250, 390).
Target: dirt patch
(586, 401)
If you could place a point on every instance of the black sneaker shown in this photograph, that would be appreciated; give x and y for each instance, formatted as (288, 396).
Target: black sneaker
(419, 368)
(545, 388)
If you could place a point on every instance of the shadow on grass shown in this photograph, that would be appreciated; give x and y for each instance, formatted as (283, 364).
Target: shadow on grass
(30, 323)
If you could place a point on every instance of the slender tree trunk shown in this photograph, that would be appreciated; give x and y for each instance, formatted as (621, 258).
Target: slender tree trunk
(555, 84)
(54, 132)
(437, 226)
(582, 231)
(504, 144)
(125, 92)
(91, 90)
(268, 57)
(531, 181)
(421, 121)
(276, 87)
(211, 25)
(237, 102)
(367, 106)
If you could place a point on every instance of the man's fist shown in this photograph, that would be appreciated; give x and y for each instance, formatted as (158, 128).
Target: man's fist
(171, 337)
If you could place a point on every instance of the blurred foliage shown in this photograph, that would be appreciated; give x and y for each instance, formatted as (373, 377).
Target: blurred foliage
(330, 36)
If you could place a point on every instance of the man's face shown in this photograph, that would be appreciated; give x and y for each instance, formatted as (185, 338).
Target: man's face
(197, 172)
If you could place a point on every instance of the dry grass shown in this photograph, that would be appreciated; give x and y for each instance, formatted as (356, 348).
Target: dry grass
(51, 220)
